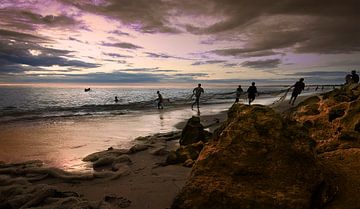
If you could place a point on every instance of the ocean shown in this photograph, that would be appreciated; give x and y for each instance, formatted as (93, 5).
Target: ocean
(28, 103)
(60, 126)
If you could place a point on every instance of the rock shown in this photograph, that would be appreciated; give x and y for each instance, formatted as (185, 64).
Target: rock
(160, 151)
(109, 160)
(350, 136)
(189, 163)
(335, 115)
(113, 201)
(336, 112)
(183, 153)
(258, 160)
(111, 152)
(192, 132)
(138, 148)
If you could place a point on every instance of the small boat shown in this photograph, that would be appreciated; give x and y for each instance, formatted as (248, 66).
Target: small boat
(86, 90)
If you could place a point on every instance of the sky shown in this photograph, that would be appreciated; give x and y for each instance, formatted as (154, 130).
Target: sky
(178, 41)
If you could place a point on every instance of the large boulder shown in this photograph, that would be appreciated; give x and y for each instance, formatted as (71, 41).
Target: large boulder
(193, 132)
(257, 160)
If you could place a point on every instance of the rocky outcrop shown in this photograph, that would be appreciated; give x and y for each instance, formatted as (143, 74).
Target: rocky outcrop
(335, 129)
(332, 118)
(257, 160)
(193, 132)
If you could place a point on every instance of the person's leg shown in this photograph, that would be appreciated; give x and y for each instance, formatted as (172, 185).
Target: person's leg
(294, 100)
(197, 102)
(291, 99)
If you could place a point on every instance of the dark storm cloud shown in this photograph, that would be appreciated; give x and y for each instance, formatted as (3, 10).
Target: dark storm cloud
(123, 45)
(244, 52)
(19, 36)
(20, 52)
(262, 64)
(324, 27)
(208, 62)
(28, 20)
(147, 16)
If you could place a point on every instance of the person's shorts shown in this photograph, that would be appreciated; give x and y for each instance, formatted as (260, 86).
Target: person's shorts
(294, 94)
(252, 97)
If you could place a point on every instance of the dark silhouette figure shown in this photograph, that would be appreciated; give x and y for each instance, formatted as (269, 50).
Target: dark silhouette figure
(298, 87)
(160, 101)
(348, 79)
(116, 99)
(354, 77)
(238, 92)
(86, 90)
(252, 91)
(317, 87)
(197, 92)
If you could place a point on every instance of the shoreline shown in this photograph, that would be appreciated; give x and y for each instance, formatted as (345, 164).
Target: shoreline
(139, 180)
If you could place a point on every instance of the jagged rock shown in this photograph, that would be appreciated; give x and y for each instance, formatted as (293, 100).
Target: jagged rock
(193, 132)
(183, 153)
(257, 160)
(335, 115)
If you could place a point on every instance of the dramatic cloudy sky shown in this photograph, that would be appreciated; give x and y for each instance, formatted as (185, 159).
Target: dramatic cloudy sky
(178, 41)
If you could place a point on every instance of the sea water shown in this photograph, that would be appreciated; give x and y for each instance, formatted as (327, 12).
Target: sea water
(60, 126)
(26, 103)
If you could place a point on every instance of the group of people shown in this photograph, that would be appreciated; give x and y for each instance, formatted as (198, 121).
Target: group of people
(252, 92)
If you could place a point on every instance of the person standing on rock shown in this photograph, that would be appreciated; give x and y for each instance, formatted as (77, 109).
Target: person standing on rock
(238, 92)
(160, 100)
(298, 87)
(197, 92)
(252, 91)
(354, 77)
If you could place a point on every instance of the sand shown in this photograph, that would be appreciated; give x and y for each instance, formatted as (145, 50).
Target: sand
(146, 184)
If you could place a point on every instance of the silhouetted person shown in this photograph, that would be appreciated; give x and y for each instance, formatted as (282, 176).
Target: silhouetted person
(348, 79)
(197, 92)
(116, 99)
(160, 100)
(238, 92)
(354, 77)
(252, 91)
(317, 87)
(322, 88)
(298, 87)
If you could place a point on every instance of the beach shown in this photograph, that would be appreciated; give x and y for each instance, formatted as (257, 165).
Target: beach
(142, 182)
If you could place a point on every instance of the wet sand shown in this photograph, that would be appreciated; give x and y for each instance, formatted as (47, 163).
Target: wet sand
(63, 142)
